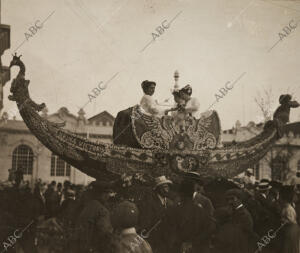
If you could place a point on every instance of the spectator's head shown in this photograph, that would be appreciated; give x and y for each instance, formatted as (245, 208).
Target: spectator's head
(249, 172)
(234, 197)
(59, 186)
(197, 181)
(101, 191)
(53, 184)
(187, 189)
(287, 193)
(273, 194)
(70, 194)
(264, 186)
(67, 184)
(162, 186)
(125, 215)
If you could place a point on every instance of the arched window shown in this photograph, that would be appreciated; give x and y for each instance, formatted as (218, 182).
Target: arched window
(23, 158)
(59, 167)
(298, 169)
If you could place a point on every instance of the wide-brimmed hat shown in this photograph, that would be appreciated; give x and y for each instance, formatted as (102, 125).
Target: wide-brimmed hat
(263, 185)
(161, 180)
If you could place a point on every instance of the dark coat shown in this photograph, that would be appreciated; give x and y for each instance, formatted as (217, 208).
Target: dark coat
(205, 203)
(236, 234)
(93, 227)
(268, 215)
(52, 202)
(152, 211)
(289, 239)
(186, 223)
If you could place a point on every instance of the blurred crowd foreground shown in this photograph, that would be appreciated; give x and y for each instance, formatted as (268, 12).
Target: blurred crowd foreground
(134, 215)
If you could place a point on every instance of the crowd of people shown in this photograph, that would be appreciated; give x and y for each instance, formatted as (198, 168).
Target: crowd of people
(194, 215)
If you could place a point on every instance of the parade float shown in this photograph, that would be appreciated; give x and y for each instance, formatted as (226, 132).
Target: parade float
(148, 145)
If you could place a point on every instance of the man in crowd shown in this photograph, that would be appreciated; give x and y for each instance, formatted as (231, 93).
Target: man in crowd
(249, 179)
(93, 226)
(153, 209)
(289, 236)
(236, 231)
(199, 194)
(187, 226)
(125, 218)
(268, 217)
(51, 200)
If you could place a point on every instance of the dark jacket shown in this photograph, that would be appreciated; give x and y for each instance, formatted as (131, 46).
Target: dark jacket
(93, 227)
(205, 203)
(187, 223)
(236, 234)
(151, 212)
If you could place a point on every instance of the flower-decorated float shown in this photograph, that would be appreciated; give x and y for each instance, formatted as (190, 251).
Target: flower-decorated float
(150, 145)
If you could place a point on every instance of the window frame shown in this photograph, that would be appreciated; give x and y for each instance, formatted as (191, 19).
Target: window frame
(64, 171)
(17, 156)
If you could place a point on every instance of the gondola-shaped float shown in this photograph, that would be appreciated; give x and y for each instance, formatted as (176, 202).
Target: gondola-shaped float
(147, 144)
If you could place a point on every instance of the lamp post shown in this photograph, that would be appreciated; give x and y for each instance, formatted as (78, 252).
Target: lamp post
(176, 77)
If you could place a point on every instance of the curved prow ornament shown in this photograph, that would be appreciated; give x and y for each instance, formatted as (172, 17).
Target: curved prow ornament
(131, 153)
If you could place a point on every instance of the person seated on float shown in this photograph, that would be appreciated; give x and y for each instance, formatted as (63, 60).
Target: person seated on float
(148, 105)
(186, 105)
(192, 104)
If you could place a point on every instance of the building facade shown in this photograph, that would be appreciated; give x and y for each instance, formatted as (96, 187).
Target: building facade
(282, 162)
(19, 148)
(4, 45)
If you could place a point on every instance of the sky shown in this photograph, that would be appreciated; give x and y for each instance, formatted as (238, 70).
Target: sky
(84, 42)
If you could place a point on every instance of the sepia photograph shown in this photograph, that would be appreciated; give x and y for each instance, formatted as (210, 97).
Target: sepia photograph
(149, 126)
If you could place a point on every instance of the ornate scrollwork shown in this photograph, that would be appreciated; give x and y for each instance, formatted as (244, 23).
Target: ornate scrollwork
(166, 133)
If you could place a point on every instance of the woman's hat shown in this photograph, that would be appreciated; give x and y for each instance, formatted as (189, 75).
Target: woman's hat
(187, 90)
(161, 180)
